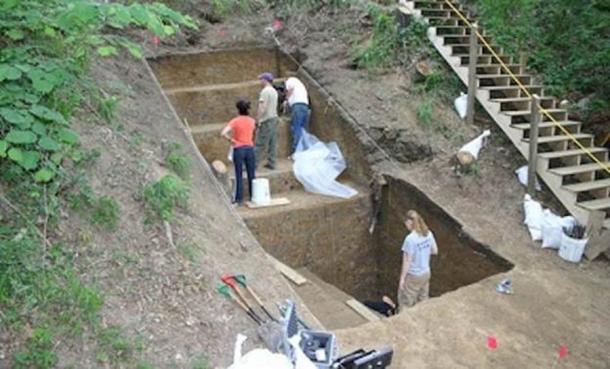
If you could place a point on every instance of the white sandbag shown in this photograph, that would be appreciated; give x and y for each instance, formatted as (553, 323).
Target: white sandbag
(474, 147)
(522, 176)
(552, 229)
(257, 358)
(533, 217)
(461, 105)
(317, 165)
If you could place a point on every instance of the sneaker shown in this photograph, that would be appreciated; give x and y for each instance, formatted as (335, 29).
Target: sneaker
(505, 287)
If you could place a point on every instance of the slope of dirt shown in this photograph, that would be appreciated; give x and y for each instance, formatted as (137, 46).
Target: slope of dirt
(164, 298)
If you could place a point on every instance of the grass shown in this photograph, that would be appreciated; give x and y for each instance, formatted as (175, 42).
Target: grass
(178, 162)
(424, 113)
(200, 362)
(164, 196)
(106, 213)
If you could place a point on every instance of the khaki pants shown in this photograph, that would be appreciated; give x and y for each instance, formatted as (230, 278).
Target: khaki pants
(415, 290)
(266, 137)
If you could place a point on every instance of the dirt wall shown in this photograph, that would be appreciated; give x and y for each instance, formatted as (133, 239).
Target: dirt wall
(461, 260)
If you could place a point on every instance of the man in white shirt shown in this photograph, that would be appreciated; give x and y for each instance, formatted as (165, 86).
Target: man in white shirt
(298, 100)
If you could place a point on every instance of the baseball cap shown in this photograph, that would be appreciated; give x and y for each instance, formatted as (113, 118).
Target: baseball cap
(266, 76)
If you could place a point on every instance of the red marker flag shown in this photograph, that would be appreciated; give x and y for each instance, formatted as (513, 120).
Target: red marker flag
(563, 351)
(156, 40)
(492, 342)
(277, 25)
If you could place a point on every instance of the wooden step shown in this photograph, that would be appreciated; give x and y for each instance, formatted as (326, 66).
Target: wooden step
(518, 113)
(578, 169)
(511, 87)
(497, 65)
(495, 76)
(588, 186)
(559, 138)
(518, 99)
(598, 204)
(567, 153)
(565, 123)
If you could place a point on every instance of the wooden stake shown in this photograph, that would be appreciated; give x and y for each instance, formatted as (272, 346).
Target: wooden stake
(533, 155)
(472, 74)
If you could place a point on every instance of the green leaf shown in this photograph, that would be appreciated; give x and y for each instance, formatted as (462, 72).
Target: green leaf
(57, 157)
(30, 160)
(15, 154)
(133, 48)
(107, 50)
(169, 30)
(18, 117)
(3, 148)
(21, 137)
(8, 72)
(68, 136)
(39, 129)
(44, 175)
(139, 14)
(48, 114)
(49, 144)
(43, 80)
(15, 34)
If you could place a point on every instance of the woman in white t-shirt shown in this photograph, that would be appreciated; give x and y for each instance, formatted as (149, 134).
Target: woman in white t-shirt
(417, 247)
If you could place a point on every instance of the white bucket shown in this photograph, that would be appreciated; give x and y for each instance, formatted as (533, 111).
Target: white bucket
(260, 191)
(572, 249)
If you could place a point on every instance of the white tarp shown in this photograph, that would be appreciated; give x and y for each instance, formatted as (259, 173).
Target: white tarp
(317, 166)
(474, 147)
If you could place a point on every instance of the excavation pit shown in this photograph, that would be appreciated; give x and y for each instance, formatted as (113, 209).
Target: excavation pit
(327, 240)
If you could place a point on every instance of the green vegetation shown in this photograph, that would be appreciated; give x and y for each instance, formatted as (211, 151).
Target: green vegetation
(178, 162)
(200, 362)
(223, 8)
(388, 42)
(567, 42)
(106, 213)
(424, 113)
(45, 51)
(164, 196)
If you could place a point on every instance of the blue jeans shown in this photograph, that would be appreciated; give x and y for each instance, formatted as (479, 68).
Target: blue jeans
(298, 122)
(243, 155)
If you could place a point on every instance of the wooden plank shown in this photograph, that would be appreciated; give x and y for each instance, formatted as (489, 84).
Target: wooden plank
(279, 201)
(362, 310)
(288, 272)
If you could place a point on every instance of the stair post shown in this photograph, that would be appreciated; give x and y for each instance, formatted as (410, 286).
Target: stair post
(472, 74)
(533, 157)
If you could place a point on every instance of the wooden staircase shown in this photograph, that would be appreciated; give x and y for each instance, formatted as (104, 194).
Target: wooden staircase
(578, 181)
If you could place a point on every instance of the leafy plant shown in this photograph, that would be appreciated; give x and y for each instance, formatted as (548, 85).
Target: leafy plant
(106, 213)
(424, 113)
(38, 353)
(177, 161)
(163, 196)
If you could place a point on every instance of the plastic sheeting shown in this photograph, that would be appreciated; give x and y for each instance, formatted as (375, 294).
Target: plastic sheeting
(461, 105)
(317, 166)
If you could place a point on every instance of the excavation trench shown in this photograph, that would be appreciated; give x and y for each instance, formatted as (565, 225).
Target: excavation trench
(327, 240)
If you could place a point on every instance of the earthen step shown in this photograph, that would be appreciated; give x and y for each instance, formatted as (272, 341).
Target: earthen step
(588, 186)
(281, 179)
(598, 204)
(216, 87)
(547, 124)
(214, 147)
(559, 138)
(301, 200)
(327, 302)
(568, 153)
(579, 169)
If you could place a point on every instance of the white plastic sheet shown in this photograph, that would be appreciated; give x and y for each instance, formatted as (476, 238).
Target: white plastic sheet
(461, 105)
(522, 176)
(533, 217)
(317, 166)
(258, 358)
